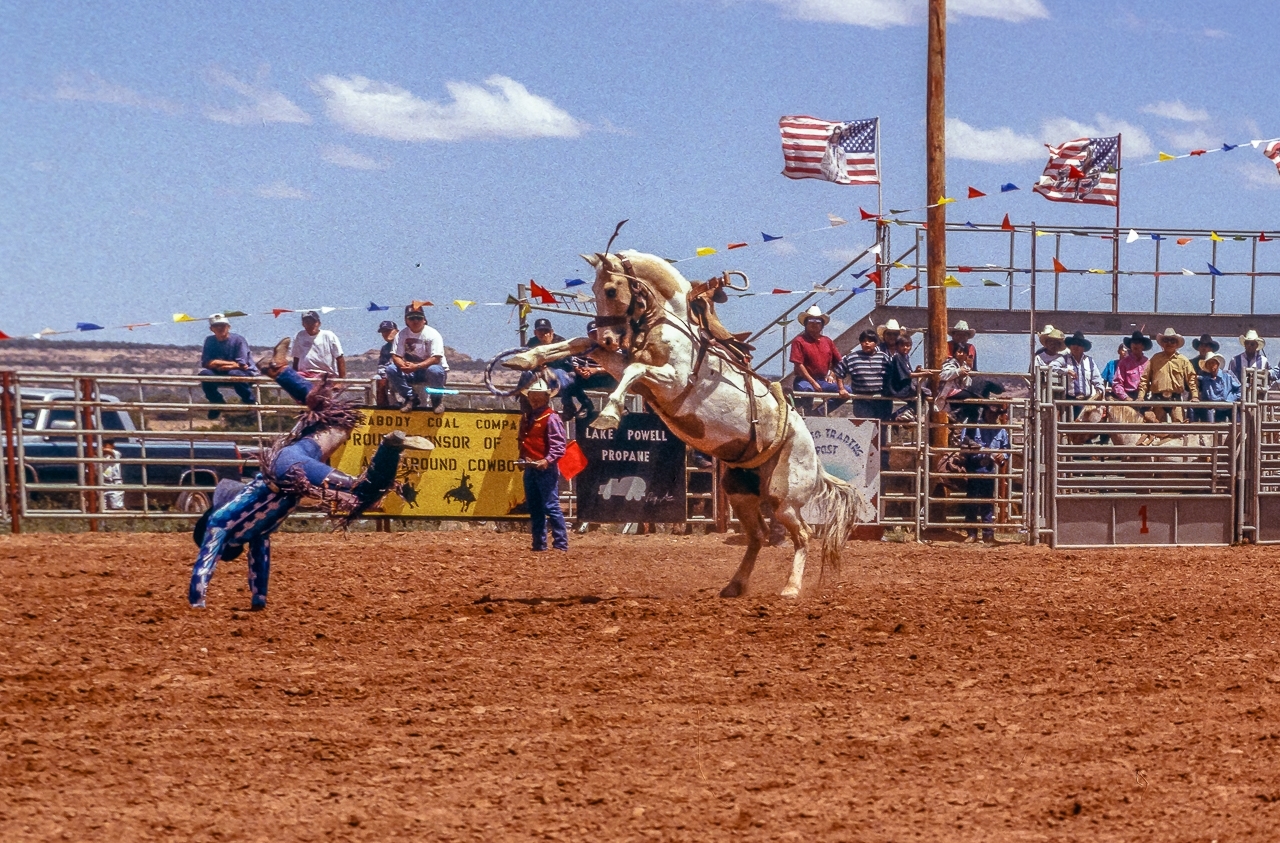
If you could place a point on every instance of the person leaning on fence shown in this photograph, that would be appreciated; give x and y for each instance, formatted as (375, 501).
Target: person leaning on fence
(1216, 384)
(226, 354)
(1204, 346)
(865, 367)
(1252, 356)
(900, 381)
(418, 359)
(815, 358)
(542, 442)
(1109, 370)
(1084, 378)
(983, 451)
(888, 334)
(1052, 344)
(954, 381)
(961, 333)
(1131, 367)
(1168, 377)
(317, 351)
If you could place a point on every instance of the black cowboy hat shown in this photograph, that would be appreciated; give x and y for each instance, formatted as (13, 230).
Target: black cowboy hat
(1138, 338)
(1078, 339)
(1205, 339)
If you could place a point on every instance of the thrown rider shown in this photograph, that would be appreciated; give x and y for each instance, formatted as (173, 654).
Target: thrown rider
(294, 468)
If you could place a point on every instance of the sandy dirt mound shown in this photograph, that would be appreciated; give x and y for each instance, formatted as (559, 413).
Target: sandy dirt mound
(456, 686)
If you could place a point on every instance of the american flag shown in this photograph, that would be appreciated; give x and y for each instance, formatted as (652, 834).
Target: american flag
(1083, 170)
(1272, 151)
(844, 153)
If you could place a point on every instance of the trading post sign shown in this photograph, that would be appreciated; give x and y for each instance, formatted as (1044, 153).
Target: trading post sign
(634, 473)
(472, 472)
(850, 450)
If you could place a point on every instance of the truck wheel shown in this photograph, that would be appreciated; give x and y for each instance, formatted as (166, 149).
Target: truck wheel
(194, 501)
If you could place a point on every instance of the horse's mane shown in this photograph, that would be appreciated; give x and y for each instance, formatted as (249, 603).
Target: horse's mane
(667, 281)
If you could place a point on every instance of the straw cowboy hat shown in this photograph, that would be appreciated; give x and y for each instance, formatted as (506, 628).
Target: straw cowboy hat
(1204, 340)
(1051, 333)
(1171, 334)
(813, 312)
(538, 383)
(891, 325)
(962, 328)
(1222, 361)
(1078, 338)
(1138, 338)
(1252, 336)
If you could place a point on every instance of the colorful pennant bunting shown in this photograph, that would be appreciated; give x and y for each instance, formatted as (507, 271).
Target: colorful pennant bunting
(374, 307)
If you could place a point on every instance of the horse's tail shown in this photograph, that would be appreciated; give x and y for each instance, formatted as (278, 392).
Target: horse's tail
(839, 503)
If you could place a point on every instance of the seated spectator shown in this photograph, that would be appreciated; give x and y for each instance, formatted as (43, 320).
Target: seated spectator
(226, 354)
(954, 381)
(866, 366)
(815, 358)
(960, 335)
(1131, 367)
(1206, 345)
(900, 381)
(418, 359)
(1252, 356)
(560, 370)
(1168, 377)
(1052, 344)
(388, 330)
(1216, 384)
(317, 351)
(1084, 379)
(983, 450)
(588, 374)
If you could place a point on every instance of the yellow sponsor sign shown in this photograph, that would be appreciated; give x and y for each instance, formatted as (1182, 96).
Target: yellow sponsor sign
(471, 473)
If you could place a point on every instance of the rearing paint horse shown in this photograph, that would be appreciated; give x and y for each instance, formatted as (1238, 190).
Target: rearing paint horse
(646, 340)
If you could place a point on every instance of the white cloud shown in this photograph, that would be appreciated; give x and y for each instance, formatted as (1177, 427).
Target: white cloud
(90, 87)
(990, 145)
(1135, 140)
(1176, 110)
(1216, 33)
(503, 108)
(881, 14)
(1196, 137)
(1259, 175)
(264, 105)
(345, 156)
(784, 247)
(280, 190)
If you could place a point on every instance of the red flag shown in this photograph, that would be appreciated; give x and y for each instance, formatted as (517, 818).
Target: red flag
(736, 246)
(974, 193)
(866, 215)
(418, 304)
(874, 276)
(541, 293)
(777, 291)
(1182, 241)
(276, 311)
(964, 269)
(1006, 225)
(1058, 267)
(573, 461)
(1263, 238)
(1197, 152)
(4, 336)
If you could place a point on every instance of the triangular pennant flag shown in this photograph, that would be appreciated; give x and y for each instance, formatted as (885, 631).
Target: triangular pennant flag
(1164, 156)
(1213, 235)
(703, 251)
(1157, 237)
(87, 326)
(987, 282)
(968, 224)
(1133, 236)
(574, 282)
(1182, 241)
(964, 269)
(325, 309)
(1058, 267)
(1007, 186)
(4, 336)
(1239, 239)
(737, 245)
(768, 237)
(874, 250)
(276, 311)
(860, 274)
(1187, 272)
(1006, 225)
(1254, 143)
(911, 286)
(1098, 271)
(541, 293)
(856, 290)
(944, 200)
(836, 220)
(1213, 270)
(182, 317)
(230, 313)
(1263, 238)
(418, 304)
(1197, 152)
(900, 265)
(139, 325)
(511, 299)
(49, 331)
(583, 297)
(463, 304)
(525, 310)
(866, 215)
(951, 281)
(875, 277)
(573, 460)
(974, 193)
(1074, 172)
(778, 291)
(373, 307)
(1043, 233)
(1227, 147)
(898, 211)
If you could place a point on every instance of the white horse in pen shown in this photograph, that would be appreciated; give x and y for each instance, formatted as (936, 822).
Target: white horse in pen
(654, 342)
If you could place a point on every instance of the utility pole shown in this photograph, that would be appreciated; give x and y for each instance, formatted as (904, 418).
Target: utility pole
(936, 178)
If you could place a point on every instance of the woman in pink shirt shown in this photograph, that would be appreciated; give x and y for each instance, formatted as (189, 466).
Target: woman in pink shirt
(1129, 369)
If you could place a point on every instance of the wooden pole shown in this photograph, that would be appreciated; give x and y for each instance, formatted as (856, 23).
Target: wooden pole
(936, 179)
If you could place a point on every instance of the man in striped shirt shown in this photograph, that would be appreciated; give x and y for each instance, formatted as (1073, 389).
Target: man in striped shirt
(865, 367)
(1084, 378)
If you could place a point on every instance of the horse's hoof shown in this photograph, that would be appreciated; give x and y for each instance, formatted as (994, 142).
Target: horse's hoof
(606, 421)
(733, 589)
(520, 362)
(791, 592)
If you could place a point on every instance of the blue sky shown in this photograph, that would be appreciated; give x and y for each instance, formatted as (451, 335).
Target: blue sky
(159, 158)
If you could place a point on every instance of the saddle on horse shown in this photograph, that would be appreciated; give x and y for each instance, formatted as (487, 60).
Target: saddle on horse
(702, 313)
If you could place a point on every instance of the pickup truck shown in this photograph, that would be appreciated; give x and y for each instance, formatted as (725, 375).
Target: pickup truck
(186, 470)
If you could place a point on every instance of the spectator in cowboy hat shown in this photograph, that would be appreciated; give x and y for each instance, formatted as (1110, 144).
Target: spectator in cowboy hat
(1206, 345)
(1052, 343)
(961, 333)
(1131, 367)
(1084, 379)
(816, 358)
(1168, 378)
(1216, 384)
(1252, 356)
(888, 334)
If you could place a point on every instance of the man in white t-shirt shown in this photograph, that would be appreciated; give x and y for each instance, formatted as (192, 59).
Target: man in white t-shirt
(418, 358)
(317, 352)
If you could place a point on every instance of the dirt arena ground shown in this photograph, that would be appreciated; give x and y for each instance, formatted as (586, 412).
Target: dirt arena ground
(454, 686)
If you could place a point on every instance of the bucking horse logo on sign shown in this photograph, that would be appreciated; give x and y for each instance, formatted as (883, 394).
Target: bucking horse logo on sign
(462, 493)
